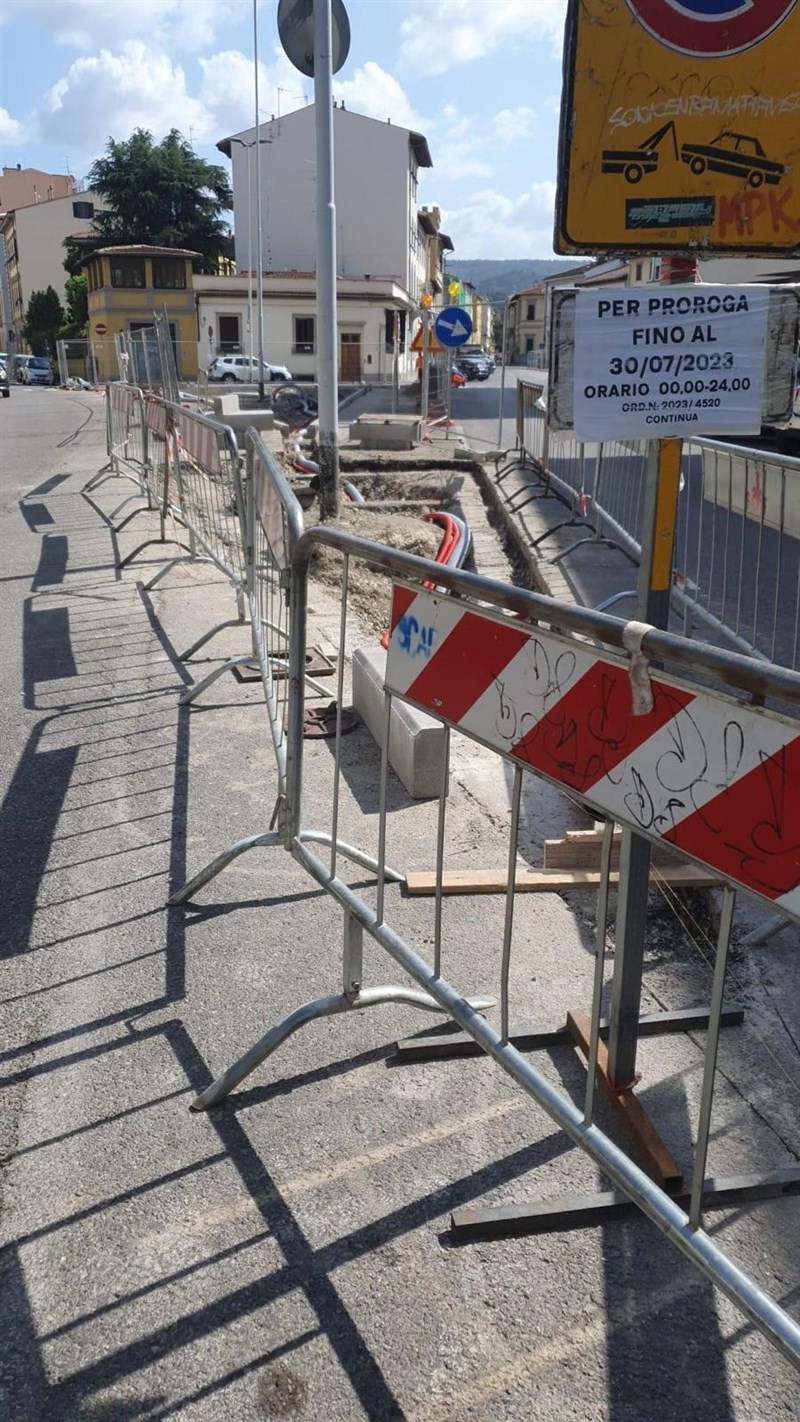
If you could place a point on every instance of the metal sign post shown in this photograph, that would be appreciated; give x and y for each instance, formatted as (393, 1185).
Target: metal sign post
(426, 363)
(658, 540)
(316, 36)
(453, 328)
(327, 362)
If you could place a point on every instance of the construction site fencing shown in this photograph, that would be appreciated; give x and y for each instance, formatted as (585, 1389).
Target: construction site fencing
(551, 650)
(273, 527)
(186, 468)
(737, 552)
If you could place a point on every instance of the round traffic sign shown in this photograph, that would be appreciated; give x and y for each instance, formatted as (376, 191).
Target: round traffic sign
(100, 328)
(453, 326)
(709, 28)
(296, 33)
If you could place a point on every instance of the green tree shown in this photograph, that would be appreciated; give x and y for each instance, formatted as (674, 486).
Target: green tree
(77, 317)
(160, 194)
(43, 321)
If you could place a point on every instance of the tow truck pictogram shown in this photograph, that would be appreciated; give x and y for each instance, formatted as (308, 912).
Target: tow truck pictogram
(633, 163)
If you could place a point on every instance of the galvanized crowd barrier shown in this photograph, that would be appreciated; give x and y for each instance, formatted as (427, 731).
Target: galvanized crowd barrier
(186, 469)
(126, 441)
(273, 527)
(529, 677)
(737, 555)
(738, 546)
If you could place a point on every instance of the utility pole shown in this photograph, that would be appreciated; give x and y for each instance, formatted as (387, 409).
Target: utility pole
(503, 374)
(260, 266)
(327, 356)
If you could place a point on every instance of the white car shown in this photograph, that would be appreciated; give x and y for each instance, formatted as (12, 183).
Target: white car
(241, 368)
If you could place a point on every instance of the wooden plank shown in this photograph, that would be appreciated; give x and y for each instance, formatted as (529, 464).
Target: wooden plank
(581, 849)
(543, 881)
(656, 1157)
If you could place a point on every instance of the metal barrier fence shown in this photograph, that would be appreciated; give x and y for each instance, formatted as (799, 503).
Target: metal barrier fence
(186, 468)
(738, 546)
(621, 763)
(737, 554)
(273, 527)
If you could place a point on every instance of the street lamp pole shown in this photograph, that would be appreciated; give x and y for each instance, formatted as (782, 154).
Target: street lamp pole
(260, 267)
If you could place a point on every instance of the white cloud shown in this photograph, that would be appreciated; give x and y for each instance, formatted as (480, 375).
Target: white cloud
(107, 94)
(375, 92)
(11, 130)
(437, 35)
(490, 224)
(512, 125)
(93, 24)
(226, 90)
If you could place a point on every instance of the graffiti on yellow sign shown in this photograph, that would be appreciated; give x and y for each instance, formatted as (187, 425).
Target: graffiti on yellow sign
(680, 126)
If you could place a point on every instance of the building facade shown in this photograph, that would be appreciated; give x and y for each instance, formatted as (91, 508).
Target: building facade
(21, 187)
(526, 325)
(379, 234)
(33, 241)
(369, 311)
(126, 285)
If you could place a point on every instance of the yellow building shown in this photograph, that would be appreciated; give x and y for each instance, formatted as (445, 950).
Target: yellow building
(126, 286)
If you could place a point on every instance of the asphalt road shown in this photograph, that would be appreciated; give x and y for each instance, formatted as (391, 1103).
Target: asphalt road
(287, 1255)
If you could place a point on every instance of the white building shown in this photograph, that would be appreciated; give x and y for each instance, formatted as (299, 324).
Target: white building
(366, 309)
(378, 231)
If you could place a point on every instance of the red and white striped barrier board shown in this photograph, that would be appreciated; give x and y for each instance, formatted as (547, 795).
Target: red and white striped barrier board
(717, 780)
(199, 441)
(123, 399)
(155, 415)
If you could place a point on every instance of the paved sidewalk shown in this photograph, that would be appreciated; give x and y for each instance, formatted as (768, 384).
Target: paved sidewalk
(287, 1254)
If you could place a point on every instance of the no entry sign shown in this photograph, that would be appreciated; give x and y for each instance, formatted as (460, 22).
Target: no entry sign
(655, 362)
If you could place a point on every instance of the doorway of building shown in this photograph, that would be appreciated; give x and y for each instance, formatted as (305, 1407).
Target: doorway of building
(229, 338)
(350, 356)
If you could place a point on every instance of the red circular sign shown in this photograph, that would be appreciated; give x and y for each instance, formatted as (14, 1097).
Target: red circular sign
(709, 28)
(100, 328)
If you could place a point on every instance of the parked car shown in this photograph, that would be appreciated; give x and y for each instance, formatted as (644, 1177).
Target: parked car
(241, 368)
(478, 351)
(20, 366)
(5, 389)
(475, 367)
(38, 371)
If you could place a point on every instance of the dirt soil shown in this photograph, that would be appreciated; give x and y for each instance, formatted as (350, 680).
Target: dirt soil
(429, 485)
(368, 593)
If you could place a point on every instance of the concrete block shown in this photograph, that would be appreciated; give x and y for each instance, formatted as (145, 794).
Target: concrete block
(241, 420)
(386, 432)
(416, 741)
(225, 404)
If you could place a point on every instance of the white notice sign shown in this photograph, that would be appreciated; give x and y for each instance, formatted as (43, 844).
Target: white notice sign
(655, 362)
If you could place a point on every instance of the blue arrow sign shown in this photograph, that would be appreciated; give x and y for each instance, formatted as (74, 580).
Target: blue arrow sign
(453, 326)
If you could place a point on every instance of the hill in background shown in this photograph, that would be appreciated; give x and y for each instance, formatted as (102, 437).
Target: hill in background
(498, 279)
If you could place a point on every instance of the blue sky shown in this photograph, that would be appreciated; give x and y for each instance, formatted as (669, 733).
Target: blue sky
(481, 79)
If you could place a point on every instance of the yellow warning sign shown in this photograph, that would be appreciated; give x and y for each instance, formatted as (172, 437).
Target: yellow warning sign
(435, 346)
(680, 126)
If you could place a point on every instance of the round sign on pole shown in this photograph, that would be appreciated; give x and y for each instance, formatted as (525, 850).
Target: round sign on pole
(100, 328)
(296, 33)
(453, 326)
